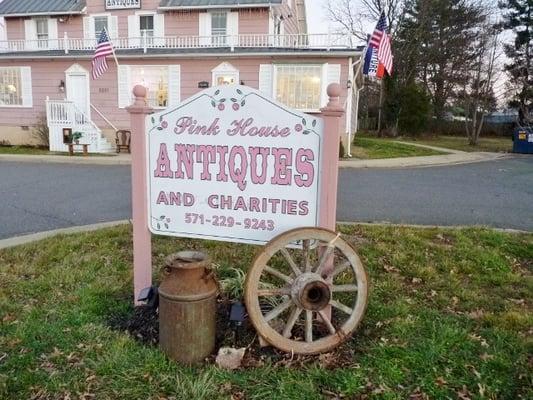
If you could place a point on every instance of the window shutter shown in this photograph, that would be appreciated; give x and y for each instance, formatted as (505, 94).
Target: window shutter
(3, 34)
(159, 29)
(233, 27)
(174, 85)
(331, 73)
(30, 32)
(88, 28)
(52, 33)
(265, 79)
(113, 26)
(27, 98)
(124, 86)
(134, 30)
(204, 28)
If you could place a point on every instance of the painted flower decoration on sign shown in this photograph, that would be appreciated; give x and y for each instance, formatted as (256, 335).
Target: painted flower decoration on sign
(305, 128)
(162, 123)
(162, 221)
(237, 101)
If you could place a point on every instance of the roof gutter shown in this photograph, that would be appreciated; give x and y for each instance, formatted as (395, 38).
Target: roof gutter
(214, 7)
(89, 56)
(44, 13)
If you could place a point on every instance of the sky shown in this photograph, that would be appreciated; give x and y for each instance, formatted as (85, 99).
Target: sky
(316, 20)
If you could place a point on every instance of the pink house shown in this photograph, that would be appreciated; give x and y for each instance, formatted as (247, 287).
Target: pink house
(173, 47)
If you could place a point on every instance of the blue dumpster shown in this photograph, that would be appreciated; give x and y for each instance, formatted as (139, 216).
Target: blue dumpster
(523, 140)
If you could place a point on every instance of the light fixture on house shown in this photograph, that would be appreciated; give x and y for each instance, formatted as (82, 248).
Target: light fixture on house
(61, 86)
(349, 84)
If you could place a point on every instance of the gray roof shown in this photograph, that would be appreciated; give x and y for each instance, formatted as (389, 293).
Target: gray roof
(215, 3)
(36, 7)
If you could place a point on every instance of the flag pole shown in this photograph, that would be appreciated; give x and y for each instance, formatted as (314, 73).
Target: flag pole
(112, 47)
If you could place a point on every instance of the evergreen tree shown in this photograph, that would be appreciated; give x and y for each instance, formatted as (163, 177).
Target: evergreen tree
(518, 17)
(437, 42)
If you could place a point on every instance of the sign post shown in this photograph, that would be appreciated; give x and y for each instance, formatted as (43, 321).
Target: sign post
(331, 115)
(142, 242)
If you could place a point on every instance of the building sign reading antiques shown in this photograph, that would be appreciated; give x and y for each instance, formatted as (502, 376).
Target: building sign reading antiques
(122, 4)
(230, 164)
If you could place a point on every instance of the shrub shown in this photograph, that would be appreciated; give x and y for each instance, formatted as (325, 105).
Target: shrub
(40, 132)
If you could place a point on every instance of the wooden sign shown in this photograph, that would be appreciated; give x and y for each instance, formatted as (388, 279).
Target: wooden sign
(231, 164)
(122, 4)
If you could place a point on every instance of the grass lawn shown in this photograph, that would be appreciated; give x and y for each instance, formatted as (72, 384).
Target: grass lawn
(449, 316)
(371, 148)
(23, 150)
(494, 144)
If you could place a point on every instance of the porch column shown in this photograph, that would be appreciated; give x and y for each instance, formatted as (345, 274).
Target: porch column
(142, 242)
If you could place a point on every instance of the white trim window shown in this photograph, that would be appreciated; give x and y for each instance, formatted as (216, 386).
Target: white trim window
(15, 87)
(41, 30)
(40, 33)
(299, 86)
(101, 22)
(94, 24)
(146, 25)
(146, 29)
(162, 82)
(219, 28)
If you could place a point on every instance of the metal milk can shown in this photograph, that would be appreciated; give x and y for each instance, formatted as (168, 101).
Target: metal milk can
(187, 307)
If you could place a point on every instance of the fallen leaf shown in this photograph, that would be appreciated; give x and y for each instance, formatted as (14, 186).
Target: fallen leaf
(440, 381)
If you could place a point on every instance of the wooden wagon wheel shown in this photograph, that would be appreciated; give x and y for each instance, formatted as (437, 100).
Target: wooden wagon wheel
(309, 298)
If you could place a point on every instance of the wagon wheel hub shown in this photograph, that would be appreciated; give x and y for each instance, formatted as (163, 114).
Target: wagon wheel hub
(310, 292)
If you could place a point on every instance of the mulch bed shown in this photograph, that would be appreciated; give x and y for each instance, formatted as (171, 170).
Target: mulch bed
(142, 324)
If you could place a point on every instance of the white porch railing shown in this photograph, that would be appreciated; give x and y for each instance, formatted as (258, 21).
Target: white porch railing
(293, 41)
(62, 114)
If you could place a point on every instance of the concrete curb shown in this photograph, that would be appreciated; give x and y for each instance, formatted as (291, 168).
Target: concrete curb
(96, 160)
(444, 227)
(401, 162)
(34, 237)
(424, 161)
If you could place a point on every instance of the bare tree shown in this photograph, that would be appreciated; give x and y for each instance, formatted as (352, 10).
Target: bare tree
(478, 92)
(355, 16)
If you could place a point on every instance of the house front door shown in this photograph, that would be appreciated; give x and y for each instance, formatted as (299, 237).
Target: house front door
(77, 82)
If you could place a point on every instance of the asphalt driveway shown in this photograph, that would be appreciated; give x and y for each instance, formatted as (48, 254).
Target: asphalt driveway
(37, 197)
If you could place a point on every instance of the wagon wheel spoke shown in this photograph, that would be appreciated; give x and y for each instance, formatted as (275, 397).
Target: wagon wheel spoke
(274, 292)
(327, 322)
(295, 314)
(305, 249)
(276, 311)
(344, 288)
(278, 274)
(308, 326)
(291, 262)
(340, 269)
(339, 306)
(326, 254)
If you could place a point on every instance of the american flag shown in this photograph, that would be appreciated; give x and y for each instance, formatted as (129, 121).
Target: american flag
(379, 31)
(104, 48)
(380, 40)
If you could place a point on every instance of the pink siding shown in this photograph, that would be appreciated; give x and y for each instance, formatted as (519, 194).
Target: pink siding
(253, 21)
(46, 76)
(182, 23)
(15, 29)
